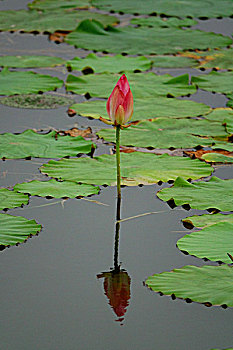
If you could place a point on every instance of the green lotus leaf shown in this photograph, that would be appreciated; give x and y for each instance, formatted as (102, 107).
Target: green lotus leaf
(221, 59)
(173, 61)
(30, 61)
(12, 83)
(112, 64)
(49, 21)
(142, 85)
(161, 133)
(215, 82)
(16, 229)
(230, 102)
(217, 158)
(55, 4)
(145, 108)
(205, 220)
(91, 35)
(36, 101)
(163, 22)
(213, 242)
(10, 199)
(50, 145)
(210, 285)
(56, 189)
(181, 8)
(216, 193)
(220, 114)
(102, 170)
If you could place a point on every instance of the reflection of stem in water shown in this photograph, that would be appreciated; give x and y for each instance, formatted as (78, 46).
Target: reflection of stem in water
(117, 234)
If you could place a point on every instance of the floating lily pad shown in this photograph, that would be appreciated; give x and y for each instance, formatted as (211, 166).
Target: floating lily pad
(220, 114)
(55, 4)
(215, 81)
(162, 133)
(201, 221)
(213, 242)
(216, 193)
(145, 108)
(30, 61)
(36, 101)
(16, 229)
(12, 83)
(230, 102)
(10, 199)
(49, 21)
(181, 8)
(211, 285)
(173, 62)
(91, 35)
(163, 22)
(56, 189)
(221, 59)
(102, 170)
(228, 146)
(50, 145)
(217, 158)
(142, 85)
(112, 64)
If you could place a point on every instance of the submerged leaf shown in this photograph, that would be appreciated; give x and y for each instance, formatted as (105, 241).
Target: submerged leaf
(16, 229)
(211, 285)
(36, 101)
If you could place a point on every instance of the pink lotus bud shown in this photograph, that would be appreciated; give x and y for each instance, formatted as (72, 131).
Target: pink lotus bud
(120, 102)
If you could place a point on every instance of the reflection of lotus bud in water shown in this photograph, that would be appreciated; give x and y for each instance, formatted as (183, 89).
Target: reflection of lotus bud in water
(117, 290)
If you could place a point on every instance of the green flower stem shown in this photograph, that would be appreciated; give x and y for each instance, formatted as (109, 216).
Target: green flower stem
(118, 161)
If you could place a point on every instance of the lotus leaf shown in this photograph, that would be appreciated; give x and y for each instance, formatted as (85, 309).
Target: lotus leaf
(56, 189)
(212, 242)
(208, 219)
(142, 85)
(215, 81)
(216, 193)
(146, 108)
(102, 170)
(16, 229)
(181, 8)
(207, 284)
(48, 21)
(173, 61)
(163, 22)
(10, 199)
(161, 133)
(55, 4)
(217, 158)
(50, 145)
(91, 35)
(221, 59)
(112, 64)
(220, 114)
(12, 83)
(30, 61)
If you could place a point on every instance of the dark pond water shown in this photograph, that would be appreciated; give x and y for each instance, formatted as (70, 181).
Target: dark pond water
(51, 297)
